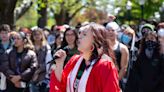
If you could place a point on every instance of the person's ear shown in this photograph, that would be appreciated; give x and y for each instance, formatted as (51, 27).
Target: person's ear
(92, 48)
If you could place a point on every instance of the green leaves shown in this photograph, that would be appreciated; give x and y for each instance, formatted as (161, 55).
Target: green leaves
(150, 7)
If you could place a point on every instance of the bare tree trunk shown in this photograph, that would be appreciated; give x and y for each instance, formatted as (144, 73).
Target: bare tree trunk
(62, 17)
(42, 21)
(7, 12)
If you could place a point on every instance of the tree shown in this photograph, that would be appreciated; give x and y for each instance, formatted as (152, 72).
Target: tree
(7, 13)
(65, 10)
(92, 15)
(29, 19)
(150, 7)
(42, 11)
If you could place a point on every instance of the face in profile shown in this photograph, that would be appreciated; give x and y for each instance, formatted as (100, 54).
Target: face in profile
(85, 39)
(18, 40)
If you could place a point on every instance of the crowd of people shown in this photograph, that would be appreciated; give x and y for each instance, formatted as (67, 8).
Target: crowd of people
(91, 57)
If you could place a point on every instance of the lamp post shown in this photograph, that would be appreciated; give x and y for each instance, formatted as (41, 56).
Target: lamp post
(129, 7)
(142, 2)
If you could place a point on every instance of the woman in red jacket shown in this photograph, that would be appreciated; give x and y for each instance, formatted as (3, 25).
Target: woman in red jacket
(92, 71)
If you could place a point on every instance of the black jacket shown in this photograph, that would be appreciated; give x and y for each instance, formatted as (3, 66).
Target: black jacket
(149, 72)
(28, 64)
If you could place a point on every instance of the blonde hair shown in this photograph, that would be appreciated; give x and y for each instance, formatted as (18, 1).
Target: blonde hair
(29, 44)
(132, 32)
(12, 33)
(43, 39)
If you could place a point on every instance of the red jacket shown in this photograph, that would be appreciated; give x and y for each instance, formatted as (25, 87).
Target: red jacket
(103, 77)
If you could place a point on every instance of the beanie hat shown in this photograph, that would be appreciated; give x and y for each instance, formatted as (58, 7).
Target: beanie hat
(150, 26)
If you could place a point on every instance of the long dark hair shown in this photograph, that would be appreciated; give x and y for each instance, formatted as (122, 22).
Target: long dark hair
(143, 45)
(55, 44)
(64, 42)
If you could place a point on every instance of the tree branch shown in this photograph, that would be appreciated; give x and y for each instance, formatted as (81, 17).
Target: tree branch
(73, 4)
(20, 11)
(77, 11)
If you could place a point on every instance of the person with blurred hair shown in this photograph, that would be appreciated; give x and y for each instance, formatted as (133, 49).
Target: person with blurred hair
(120, 50)
(22, 63)
(120, 32)
(146, 28)
(42, 49)
(143, 30)
(91, 71)
(69, 43)
(161, 39)
(46, 32)
(128, 39)
(57, 45)
(161, 25)
(5, 44)
(27, 31)
(53, 32)
(5, 41)
(51, 36)
(149, 65)
(161, 42)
